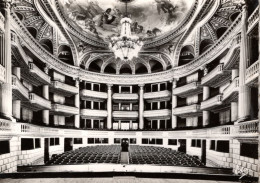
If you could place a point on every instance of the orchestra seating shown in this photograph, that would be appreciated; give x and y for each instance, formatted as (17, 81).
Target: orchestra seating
(90, 154)
(161, 156)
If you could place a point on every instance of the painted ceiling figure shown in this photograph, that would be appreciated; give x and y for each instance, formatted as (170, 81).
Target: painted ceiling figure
(107, 18)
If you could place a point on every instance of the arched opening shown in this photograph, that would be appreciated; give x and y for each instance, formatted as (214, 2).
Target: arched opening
(110, 68)
(95, 66)
(32, 31)
(234, 16)
(221, 31)
(141, 69)
(187, 55)
(47, 44)
(19, 15)
(65, 54)
(125, 69)
(205, 44)
(156, 66)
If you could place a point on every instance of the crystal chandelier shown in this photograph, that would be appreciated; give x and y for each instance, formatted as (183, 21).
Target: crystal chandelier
(126, 46)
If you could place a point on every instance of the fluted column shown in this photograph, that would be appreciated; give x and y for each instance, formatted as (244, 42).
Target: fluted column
(6, 88)
(244, 91)
(206, 114)
(174, 105)
(17, 109)
(141, 106)
(45, 113)
(109, 106)
(76, 102)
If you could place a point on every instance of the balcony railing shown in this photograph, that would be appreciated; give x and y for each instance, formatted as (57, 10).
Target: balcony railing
(212, 102)
(252, 73)
(2, 74)
(231, 89)
(157, 113)
(186, 110)
(92, 113)
(125, 96)
(125, 114)
(39, 74)
(5, 125)
(39, 102)
(253, 19)
(92, 94)
(250, 127)
(188, 89)
(63, 89)
(64, 109)
(156, 95)
(20, 91)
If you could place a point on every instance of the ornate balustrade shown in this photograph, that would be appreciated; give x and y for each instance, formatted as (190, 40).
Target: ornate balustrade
(63, 89)
(157, 113)
(39, 102)
(186, 111)
(39, 75)
(253, 19)
(2, 74)
(188, 89)
(232, 90)
(5, 125)
(211, 103)
(125, 114)
(19, 90)
(216, 77)
(249, 127)
(92, 113)
(2, 23)
(157, 95)
(252, 74)
(125, 96)
(89, 94)
(65, 110)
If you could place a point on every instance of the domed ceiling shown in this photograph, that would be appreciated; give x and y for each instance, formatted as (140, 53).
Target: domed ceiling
(101, 18)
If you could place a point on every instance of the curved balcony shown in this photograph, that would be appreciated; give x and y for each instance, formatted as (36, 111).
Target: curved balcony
(60, 109)
(216, 77)
(188, 89)
(39, 103)
(252, 74)
(187, 111)
(89, 94)
(211, 103)
(253, 19)
(39, 75)
(231, 92)
(2, 74)
(20, 92)
(63, 89)
(161, 113)
(126, 115)
(165, 94)
(125, 96)
(93, 114)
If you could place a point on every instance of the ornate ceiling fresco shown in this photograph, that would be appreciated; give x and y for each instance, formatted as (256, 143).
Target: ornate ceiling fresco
(101, 18)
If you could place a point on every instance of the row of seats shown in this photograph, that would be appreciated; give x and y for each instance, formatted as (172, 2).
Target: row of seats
(160, 156)
(90, 154)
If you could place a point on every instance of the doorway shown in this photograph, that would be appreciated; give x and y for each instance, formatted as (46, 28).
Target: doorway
(125, 144)
(182, 147)
(46, 150)
(68, 144)
(204, 152)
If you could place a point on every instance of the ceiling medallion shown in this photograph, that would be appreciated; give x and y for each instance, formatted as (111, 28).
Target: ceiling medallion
(126, 46)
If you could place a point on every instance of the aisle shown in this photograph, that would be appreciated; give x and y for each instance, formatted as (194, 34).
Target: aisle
(124, 158)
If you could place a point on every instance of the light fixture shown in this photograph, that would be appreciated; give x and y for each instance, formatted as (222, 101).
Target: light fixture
(126, 46)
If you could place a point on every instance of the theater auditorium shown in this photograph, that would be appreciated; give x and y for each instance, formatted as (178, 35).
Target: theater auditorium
(129, 91)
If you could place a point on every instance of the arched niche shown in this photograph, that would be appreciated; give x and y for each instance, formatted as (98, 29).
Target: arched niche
(32, 31)
(125, 69)
(140, 69)
(156, 66)
(187, 55)
(205, 44)
(110, 68)
(47, 44)
(95, 66)
(65, 54)
(220, 31)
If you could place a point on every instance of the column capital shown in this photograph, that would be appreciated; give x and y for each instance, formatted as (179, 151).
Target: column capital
(141, 86)
(109, 86)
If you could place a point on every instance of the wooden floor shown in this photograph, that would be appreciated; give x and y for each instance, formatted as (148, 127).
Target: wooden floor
(108, 180)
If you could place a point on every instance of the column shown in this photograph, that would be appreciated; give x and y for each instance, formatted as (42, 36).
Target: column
(45, 113)
(244, 91)
(174, 105)
(92, 123)
(131, 125)
(6, 88)
(141, 106)
(109, 106)
(158, 124)
(76, 101)
(206, 114)
(234, 111)
(119, 124)
(17, 109)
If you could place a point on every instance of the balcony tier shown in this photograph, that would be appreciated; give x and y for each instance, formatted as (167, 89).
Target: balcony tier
(93, 114)
(216, 77)
(230, 94)
(162, 113)
(63, 89)
(20, 92)
(212, 103)
(187, 111)
(252, 74)
(188, 89)
(158, 95)
(89, 94)
(125, 97)
(21, 58)
(38, 103)
(64, 110)
(253, 20)
(125, 115)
